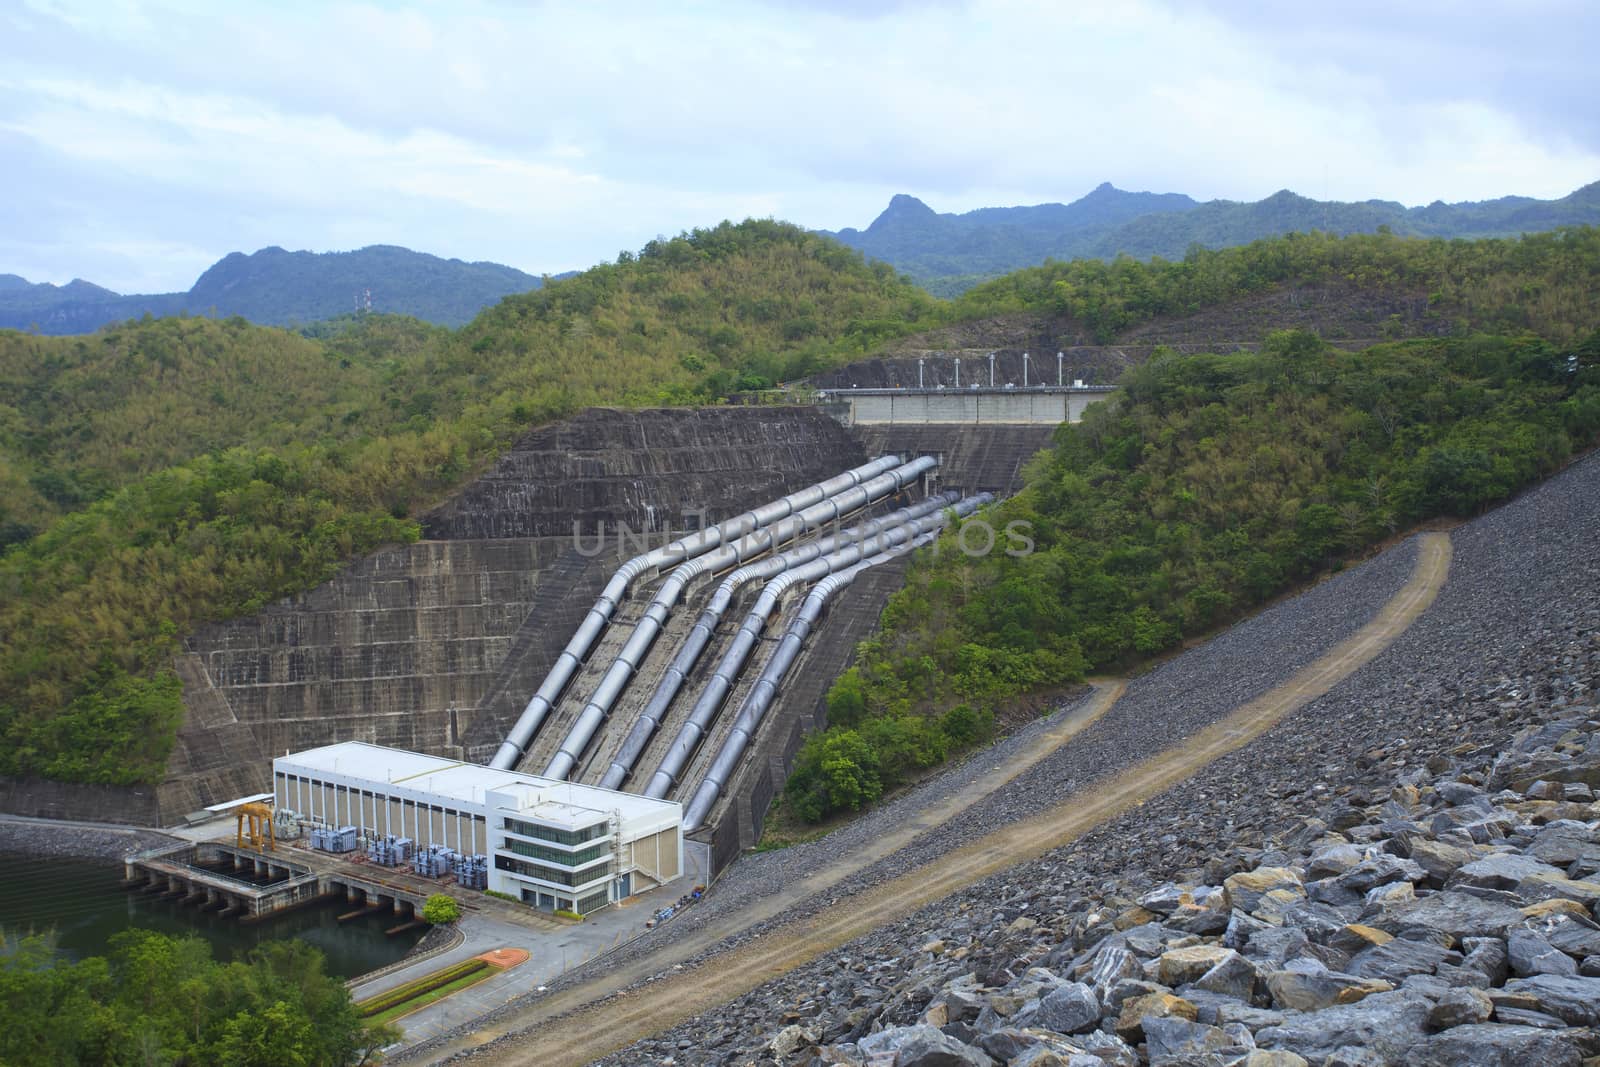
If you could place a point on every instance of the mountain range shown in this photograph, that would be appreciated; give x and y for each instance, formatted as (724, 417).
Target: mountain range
(948, 253)
(274, 287)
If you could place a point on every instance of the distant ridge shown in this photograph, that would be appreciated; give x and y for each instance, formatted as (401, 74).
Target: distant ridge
(948, 253)
(275, 287)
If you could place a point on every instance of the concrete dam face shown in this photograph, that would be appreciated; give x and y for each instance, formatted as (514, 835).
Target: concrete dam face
(437, 646)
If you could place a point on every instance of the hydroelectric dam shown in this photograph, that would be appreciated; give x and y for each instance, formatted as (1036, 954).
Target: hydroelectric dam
(648, 601)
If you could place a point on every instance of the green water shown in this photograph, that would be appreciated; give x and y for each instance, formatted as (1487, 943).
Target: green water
(84, 904)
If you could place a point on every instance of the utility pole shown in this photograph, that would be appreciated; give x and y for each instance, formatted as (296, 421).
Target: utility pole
(1024, 370)
(991, 370)
(1060, 381)
(958, 372)
(919, 373)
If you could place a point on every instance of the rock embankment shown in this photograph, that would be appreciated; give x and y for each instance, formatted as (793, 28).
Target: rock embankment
(1405, 748)
(1452, 921)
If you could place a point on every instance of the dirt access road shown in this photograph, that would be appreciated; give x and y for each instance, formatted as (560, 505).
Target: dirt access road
(581, 1024)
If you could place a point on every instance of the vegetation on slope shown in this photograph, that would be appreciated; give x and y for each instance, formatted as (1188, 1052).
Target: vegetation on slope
(155, 999)
(84, 416)
(1545, 283)
(168, 473)
(1204, 486)
(339, 441)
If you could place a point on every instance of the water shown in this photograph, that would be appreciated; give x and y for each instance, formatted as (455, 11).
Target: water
(85, 904)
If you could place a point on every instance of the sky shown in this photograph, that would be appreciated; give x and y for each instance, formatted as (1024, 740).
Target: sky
(142, 141)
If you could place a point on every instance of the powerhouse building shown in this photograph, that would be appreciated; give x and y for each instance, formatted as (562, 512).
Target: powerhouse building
(552, 844)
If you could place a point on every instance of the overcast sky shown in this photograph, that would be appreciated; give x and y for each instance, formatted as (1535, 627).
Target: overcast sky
(141, 141)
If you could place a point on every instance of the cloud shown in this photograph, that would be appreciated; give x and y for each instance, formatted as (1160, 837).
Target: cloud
(550, 136)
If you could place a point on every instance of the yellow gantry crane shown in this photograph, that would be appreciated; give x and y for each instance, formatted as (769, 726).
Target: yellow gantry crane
(260, 835)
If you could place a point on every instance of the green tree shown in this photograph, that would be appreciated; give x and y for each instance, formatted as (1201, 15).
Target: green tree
(440, 909)
(836, 770)
(156, 999)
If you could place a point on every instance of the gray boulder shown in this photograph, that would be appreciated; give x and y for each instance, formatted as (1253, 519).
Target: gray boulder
(1299, 990)
(1233, 976)
(1530, 954)
(1437, 859)
(1381, 869)
(1461, 1007)
(1487, 956)
(1563, 843)
(1041, 1056)
(1011, 1045)
(1111, 965)
(1394, 960)
(1114, 1051)
(1333, 860)
(923, 1046)
(1385, 1024)
(1491, 1045)
(1527, 1017)
(1577, 937)
(1456, 914)
(1215, 1009)
(1277, 944)
(1576, 1001)
(1171, 1039)
(1068, 1009)
(1501, 870)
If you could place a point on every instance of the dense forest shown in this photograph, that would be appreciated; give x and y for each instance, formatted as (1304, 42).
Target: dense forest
(160, 1000)
(949, 253)
(165, 473)
(1204, 486)
(168, 472)
(1545, 283)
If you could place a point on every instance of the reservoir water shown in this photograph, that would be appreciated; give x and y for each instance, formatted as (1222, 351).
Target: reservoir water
(84, 903)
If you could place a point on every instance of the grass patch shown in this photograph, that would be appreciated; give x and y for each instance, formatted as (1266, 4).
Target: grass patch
(405, 996)
(783, 827)
(422, 1000)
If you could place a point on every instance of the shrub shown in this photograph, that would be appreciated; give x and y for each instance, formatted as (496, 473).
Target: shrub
(441, 910)
(426, 984)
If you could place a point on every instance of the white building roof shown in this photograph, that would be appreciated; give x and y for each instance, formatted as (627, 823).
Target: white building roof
(563, 803)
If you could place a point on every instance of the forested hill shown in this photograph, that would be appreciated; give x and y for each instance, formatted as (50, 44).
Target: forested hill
(278, 288)
(161, 474)
(1205, 486)
(165, 473)
(947, 253)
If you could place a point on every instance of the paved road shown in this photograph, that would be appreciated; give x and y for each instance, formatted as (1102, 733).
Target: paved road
(553, 945)
(574, 1028)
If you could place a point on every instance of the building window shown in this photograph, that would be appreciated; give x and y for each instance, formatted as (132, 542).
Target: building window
(553, 875)
(592, 902)
(560, 837)
(557, 855)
